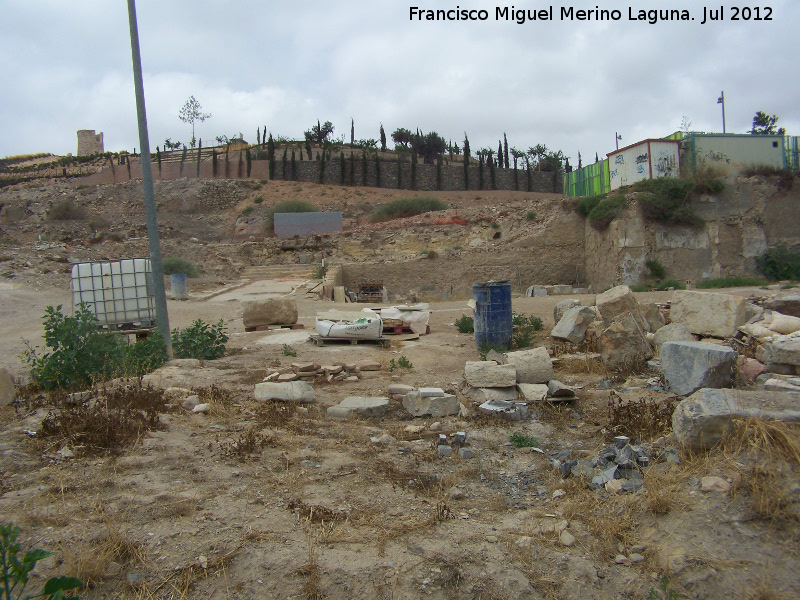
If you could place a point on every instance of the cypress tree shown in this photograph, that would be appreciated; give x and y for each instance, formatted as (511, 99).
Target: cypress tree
(264, 138)
(227, 164)
(505, 149)
(271, 156)
(294, 166)
(499, 154)
(466, 161)
(285, 162)
(258, 136)
(377, 170)
(352, 168)
(213, 162)
(158, 157)
(480, 171)
(322, 168)
(352, 131)
(341, 169)
(249, 162)
(364, 168)
(383, 139)
(240, 166)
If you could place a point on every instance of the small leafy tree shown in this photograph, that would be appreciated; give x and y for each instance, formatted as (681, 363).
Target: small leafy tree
(764, 124)
(319, 134)
(192, 112)
(200, 340)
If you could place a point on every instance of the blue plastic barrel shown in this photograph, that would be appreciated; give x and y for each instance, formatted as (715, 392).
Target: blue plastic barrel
(492, 314)
(177, 286)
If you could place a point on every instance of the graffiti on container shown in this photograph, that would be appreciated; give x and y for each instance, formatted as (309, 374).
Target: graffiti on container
(665, 166)
(642, 158)
(716, 157)
(614, 173)
(640, 169)
(620, 160)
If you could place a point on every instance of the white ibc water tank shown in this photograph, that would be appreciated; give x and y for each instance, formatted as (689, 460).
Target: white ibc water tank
(118, 292)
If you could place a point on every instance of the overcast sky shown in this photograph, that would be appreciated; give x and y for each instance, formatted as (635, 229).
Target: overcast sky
(568, 84)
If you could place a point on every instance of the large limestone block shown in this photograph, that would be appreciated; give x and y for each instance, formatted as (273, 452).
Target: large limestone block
(481, 395)
(787, 303)
(689, 366)
(572, 326)
(618, 301)
(7, 390)
(674, 332)
(271, 311)
(702, 419)
(562, 307)
(707, 313)
(532, 366)
(623, 344)
(366, 407)
(487, 373)
(533, 392)
(654, 317)
(291, 391)
(420, 405)
(783, 351)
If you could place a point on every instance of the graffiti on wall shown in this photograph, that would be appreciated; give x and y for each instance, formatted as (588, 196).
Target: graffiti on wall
(619, 160)
(642, 158)
(666, 166)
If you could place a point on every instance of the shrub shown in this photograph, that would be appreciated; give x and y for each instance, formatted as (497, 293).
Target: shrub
(520, 440)
(65, 210)
(465, 324)
(246, 211)
(587, 203)
(200, 340)
(531, 216)
(524, 330)
(288, 350)
(172, 265)
(400, 363)
(779, 262)
(785, 176)
(668, 201)
(656, 269)
(258, 199)
(606, 210)
(15, 573)
(728, 282)
(406, 207)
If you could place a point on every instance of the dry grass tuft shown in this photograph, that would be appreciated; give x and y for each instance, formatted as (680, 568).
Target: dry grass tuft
(643, 419)
(90, 563)
(315, 513)
(249, 444)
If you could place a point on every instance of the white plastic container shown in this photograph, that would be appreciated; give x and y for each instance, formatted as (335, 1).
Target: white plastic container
(119, 292)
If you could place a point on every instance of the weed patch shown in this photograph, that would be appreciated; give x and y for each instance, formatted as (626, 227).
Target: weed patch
(642, 419)
(729, 282)
(465, 324)
(407, 207)
(200, 340)
(779, 262)
(65, 210)
(520, 440)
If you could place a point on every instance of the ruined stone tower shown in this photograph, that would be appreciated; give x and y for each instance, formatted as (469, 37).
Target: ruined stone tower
(89, 142)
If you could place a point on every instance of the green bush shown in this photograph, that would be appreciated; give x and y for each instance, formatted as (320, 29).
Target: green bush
(729, 282)
(587, 203)
(606, 210)
(288, 206)
(465, 324)
(779, 262)
(668, 201)
(258, 199)
(81, 354)
(172, 265)
(523, 330)
(15, 572)
(200, 340)
(246, 211)
(531, 216)
(520, 440)
(287, 350)
(406, 207)
(656, 269)
(65, 210)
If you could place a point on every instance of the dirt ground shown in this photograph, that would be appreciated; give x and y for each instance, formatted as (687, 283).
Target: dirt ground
(262, 500)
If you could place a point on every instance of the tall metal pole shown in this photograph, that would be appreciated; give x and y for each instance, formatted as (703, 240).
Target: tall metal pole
(162, 317)
(721, 100)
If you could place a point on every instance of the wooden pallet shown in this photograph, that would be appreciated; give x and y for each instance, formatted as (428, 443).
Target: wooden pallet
(271, 327)
(400, 329)
(323, 341)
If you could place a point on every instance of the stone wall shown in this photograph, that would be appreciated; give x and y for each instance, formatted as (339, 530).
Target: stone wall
(89, 143)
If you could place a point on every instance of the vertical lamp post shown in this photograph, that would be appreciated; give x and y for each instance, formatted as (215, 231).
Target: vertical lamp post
(721, 100)
(147, 184)
(617, 137)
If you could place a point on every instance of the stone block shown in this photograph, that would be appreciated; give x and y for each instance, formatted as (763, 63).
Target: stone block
(366, 407)
(787, 303)
(572, 326)
(483, 373)
(707, 313)
(532, 366)
(339, 413)
(532, 392)
(623, 344)
(366, 365)
(784, 350)
(557, 390)
(674, 332)
(271, 311)
(7, 390)
(513, 411)
(430, 392)
(618, 301)
(702, 419)
(481, 395)
(654, 317)
(562, 290)
(562, 307)
(293, 391)
(399, 389)
(434, 406)
(689, 366)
